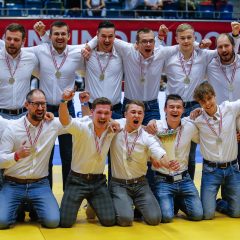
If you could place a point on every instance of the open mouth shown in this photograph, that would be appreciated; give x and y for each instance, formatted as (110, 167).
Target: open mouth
(102, 121)
(148, 50)
(135, 121)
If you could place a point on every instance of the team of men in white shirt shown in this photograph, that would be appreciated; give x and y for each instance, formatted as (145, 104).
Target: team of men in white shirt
(26, 144)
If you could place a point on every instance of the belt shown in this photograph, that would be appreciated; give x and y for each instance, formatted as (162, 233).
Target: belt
(13, 111)
(145, 102)
(129, 181)
(89, 176)
(219, 165)
(22, 181)
(175, 178)
(190, 104)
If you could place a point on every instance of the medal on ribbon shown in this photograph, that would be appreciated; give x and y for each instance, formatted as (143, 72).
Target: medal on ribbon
(58, 74)
(11, 80)
(102, 69)
(187, 80)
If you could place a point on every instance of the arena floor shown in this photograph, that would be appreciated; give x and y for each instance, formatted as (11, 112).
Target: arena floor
(221, 228)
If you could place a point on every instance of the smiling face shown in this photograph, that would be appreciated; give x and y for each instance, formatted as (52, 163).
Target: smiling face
(59, 37)
(36, 107)
(134, 117)
(225, 50)
(208, 103)
(106, 38)
(146, 44)
(174, 110)
(101, 116)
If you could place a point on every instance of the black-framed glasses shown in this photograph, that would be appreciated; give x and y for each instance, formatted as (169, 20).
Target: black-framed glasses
(145, 41)
(37, 104)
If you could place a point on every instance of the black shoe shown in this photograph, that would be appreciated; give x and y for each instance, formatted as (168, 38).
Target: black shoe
(33, 215)
(20, 215)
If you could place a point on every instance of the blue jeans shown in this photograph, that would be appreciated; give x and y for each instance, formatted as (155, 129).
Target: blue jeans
(41, 196)
(138, 194)
(65, 147)
(186, 194)
(190, 106)
(212, 179)
(151, 112)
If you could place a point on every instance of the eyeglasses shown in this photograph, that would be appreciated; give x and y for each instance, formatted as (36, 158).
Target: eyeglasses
(145, 41)
(37, 104)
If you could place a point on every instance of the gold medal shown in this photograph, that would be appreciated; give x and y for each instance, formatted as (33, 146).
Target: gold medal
(33, 150)
(187, 80)
(11, 80)
(58, 74)
(101, 77)
(230, 87)
(142, 79)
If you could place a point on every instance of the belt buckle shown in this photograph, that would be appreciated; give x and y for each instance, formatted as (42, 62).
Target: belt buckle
(223, 165)
(177, 178)
(88, 176)
(135, 181)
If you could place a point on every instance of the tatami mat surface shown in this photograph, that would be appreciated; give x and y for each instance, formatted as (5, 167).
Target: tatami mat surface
(221, 228)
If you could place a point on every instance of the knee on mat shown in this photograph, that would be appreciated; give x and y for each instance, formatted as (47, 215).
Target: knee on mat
(51, 223)
(107, 222)
(167, 218)
(4, 224)
(124, 221)
(153, 220)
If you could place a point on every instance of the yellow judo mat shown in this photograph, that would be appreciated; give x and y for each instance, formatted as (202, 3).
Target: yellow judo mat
(221, 228)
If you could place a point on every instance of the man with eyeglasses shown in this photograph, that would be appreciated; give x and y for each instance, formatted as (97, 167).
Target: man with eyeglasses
(25, 150)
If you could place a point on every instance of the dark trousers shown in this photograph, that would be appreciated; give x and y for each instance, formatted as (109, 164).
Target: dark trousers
(65, 147)
(151, 112)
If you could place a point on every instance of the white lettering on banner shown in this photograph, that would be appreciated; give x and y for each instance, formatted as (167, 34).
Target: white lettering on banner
(33, 38)
(121, 35)
(74, 37)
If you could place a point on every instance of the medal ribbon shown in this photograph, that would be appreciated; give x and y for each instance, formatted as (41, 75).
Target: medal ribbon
(230, 81)
(141, 66)
(9, 65)
(55, 61)
(98, 146)
(211, 127)
(179, 135)
(28, 133)
(130, 150)
(183, 66)
(103, 69)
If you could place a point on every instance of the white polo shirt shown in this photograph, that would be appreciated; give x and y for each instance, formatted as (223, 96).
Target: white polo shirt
(12, 96)
(36, 165)
(146, 146)
(85, 158)
(220, 75)
(187, 132)
(226, 150)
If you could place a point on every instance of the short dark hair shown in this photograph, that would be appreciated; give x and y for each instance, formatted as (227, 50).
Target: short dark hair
(59, 24)
(175, 97)
(230, 38)
(106, 24)
(136, 102)
(142, 30)
(30, 94)
(16, 27)
(203, 90)
(101, 101)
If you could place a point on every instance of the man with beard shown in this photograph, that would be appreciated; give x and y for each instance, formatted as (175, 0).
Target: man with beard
(91, 142)
(218, 144)
(176, 184)
(25, 150)
(130, 151)
(16, 66)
